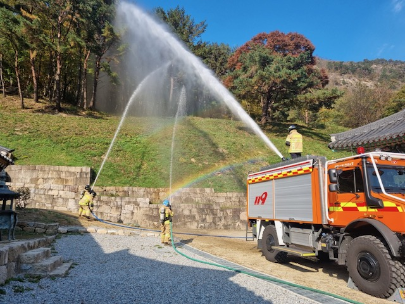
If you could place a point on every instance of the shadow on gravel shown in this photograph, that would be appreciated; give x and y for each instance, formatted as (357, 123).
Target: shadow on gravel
(133, 269)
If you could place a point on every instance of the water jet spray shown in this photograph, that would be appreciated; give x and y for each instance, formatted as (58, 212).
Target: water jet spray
(157, 33)
(134, 94)
(180, 112)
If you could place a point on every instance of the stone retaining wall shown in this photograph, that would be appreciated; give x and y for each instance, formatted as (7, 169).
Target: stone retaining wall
(59, 188)
(36, 227)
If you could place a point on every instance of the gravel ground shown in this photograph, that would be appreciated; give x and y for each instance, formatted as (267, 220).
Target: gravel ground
(137, 269)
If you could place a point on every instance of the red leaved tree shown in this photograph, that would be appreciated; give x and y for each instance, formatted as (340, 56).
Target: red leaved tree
(274, 69)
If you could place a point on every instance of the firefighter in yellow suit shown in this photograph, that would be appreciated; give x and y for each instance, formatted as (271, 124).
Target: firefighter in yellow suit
(86, 202)
(166, 216)
(294, 142)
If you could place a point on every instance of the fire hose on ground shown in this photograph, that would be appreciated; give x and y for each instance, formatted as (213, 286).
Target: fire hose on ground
(263, 277)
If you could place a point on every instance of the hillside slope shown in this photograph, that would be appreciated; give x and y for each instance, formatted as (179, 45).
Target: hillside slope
(345, 75)
(215, 153)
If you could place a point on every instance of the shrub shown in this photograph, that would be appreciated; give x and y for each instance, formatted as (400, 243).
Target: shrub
(25, 195)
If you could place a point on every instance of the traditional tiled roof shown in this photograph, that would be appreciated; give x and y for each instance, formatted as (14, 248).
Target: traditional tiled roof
(5, 157)
(389, 131)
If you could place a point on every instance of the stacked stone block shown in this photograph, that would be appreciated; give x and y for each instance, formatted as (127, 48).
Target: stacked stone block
(59, 189)
(10, 265)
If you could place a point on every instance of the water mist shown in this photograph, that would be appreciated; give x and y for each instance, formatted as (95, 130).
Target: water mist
(155, 55)
(150, 33)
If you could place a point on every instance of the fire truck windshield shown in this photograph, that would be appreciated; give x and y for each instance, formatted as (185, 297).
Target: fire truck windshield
(392, 178)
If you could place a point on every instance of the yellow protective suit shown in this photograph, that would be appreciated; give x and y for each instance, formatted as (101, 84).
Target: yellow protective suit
(294, 141)
(165, 224)
(84, 204)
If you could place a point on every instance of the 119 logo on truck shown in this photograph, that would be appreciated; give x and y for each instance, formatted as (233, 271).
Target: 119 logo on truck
(260, 200)
(350, 210)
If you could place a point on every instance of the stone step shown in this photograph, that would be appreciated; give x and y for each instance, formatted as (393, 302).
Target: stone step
(34, 255)
(61, 271)
(46, 266)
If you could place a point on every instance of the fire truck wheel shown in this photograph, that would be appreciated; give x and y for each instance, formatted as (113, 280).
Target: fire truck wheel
(371, 267)
(270, 239)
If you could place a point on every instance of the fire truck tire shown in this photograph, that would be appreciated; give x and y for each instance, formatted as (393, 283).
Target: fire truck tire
(372, 268)
(270, 239)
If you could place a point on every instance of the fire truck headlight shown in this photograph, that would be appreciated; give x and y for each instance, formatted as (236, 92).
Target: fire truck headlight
(385, 157)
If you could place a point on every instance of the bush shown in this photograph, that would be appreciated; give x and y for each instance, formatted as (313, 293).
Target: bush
(25, 195)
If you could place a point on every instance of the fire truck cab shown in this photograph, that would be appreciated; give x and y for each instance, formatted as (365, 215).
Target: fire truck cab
(349, 210)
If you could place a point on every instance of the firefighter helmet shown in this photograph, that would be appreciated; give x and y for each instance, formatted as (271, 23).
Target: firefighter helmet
(87, 187)
(166, 203)
(292, 127)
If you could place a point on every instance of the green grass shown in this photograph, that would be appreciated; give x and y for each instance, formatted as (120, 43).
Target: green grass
(215, 153)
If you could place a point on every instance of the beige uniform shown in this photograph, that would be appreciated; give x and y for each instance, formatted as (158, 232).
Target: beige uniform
(165, 225)
(295, 140)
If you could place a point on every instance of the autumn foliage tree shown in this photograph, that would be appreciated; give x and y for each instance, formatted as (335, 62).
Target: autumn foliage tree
(278, 71)
(362, 105)
(396, 103)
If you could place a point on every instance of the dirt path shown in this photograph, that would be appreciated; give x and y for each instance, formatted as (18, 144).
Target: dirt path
(325, 276)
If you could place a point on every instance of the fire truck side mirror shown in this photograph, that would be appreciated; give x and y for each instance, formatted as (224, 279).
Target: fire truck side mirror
(333, 187)
(332, 175)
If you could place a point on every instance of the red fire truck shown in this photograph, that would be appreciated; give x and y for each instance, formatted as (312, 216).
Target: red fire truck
(349, 210)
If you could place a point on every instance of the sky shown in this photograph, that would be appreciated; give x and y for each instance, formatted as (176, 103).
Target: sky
(340, 30)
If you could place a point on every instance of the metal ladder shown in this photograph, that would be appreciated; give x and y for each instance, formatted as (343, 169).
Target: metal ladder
(249, 232)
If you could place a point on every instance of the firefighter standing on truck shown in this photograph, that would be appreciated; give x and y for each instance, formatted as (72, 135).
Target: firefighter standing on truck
(294, 142)
(166, 215)
(86, 202)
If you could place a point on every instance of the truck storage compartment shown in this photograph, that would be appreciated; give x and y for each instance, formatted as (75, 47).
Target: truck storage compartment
(283, 191)
(299, 236)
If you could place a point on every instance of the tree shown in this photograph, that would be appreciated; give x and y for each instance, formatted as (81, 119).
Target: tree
(363, 105)
(85, 30)
(63, 14)
(52, 40)
(3, 87)
(396, 103)
(314, 100)
(11, 25)
(59, 19)
(5, 58)
(184, 27)
(104, 38)
(34, 32)
(274, 69)
(187, 30)
(216, 56)
(7, 71)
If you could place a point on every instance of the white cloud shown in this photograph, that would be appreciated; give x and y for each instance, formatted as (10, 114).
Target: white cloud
(398, 5)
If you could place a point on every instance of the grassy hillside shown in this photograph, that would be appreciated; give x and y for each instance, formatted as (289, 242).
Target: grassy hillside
(207, 152)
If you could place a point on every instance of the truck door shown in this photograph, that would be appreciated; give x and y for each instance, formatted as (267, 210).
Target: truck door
(349, 200)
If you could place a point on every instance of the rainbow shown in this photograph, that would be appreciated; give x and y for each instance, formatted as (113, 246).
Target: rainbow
(193, 179)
